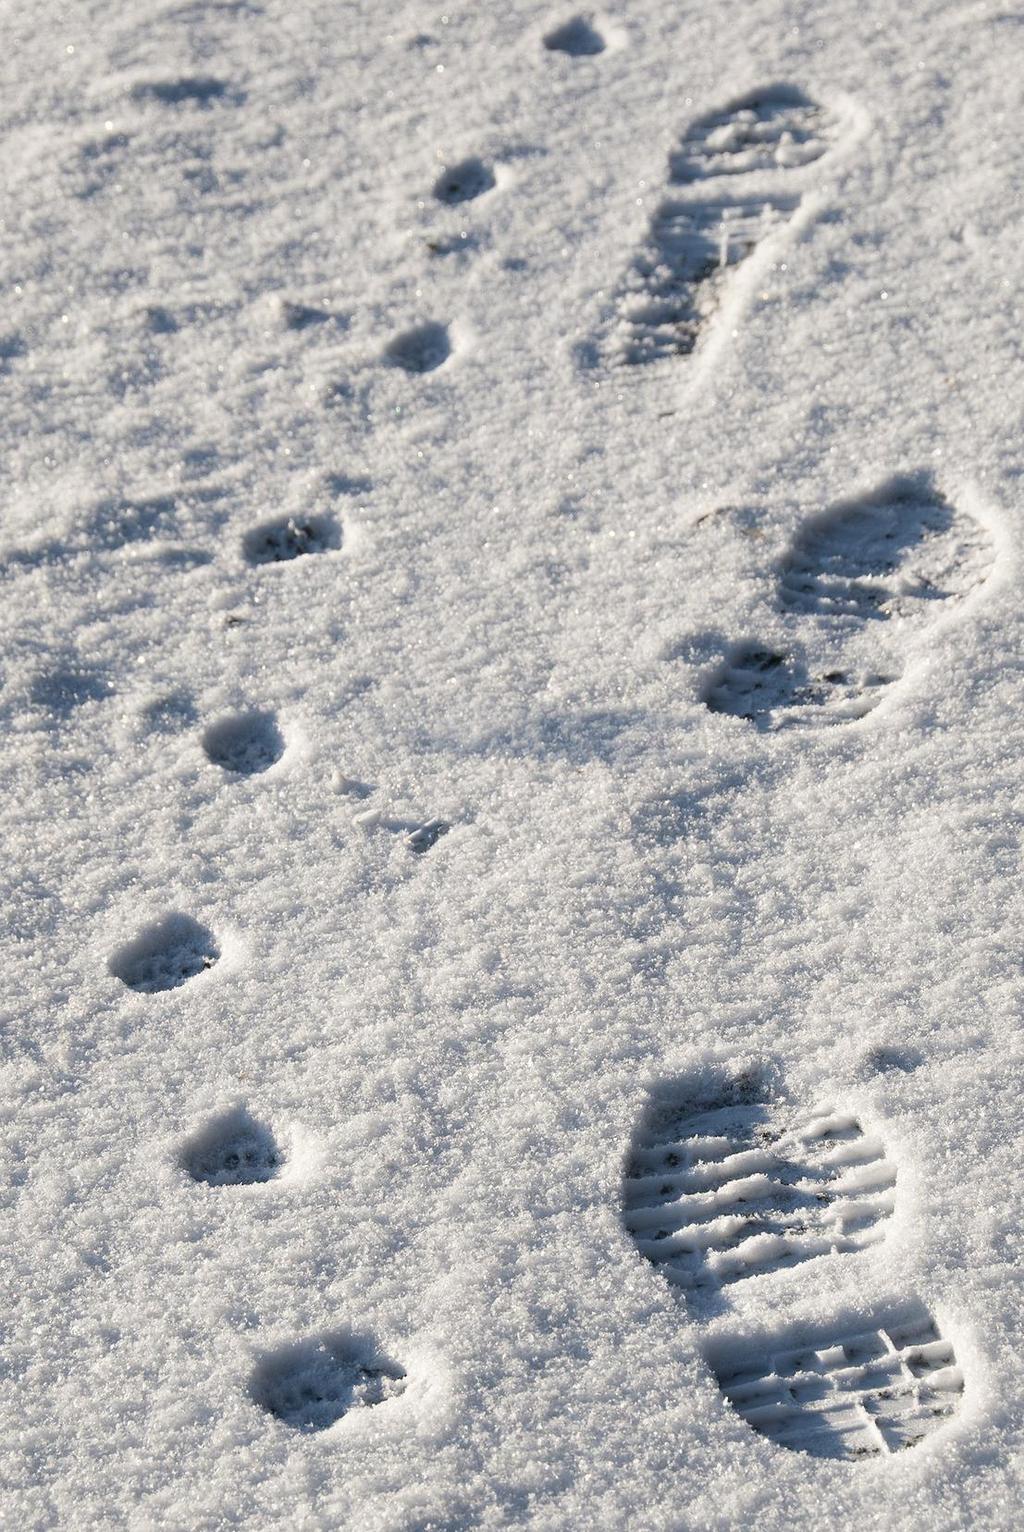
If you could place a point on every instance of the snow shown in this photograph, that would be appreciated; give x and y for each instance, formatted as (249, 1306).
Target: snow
(364, 807)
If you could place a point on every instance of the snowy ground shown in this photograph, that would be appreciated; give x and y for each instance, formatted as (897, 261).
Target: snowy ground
(325, 1132)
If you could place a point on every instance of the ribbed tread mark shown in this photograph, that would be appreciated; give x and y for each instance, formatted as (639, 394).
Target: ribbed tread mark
(729, 1195)
(852, 1395)
(674, 285)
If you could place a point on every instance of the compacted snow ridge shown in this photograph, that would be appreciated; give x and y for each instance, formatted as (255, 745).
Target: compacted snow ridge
(513, 700)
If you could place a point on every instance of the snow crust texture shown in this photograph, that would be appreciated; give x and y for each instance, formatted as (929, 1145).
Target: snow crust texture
(512, 685)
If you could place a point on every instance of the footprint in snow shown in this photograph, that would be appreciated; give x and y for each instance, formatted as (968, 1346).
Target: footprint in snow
(233, 1149)
(724, 1185)
(311, 1384)
(464, 182)
(902, 553)
(735, 179)
(845, 1391)
(422, 349)
(577, 37)
(244, 744)
(165, 954)
(290, 537)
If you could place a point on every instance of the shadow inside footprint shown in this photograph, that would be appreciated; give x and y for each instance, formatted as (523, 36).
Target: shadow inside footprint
(290, 537)
(233, 1149)
(244, 743)
(165, 954)
(775, 128)
(679, 276)
(578, 37)
(419, 350)
(886, 552)
(463, 182)
(773, 691)
(311, 1384)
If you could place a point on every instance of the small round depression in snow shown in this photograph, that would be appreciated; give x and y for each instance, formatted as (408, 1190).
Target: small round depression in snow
(165, 954)
(233, 1149)
(578, 37)
(289, 537)
(463, 182)
(244, 743)
(310, 1385)
(422, 349)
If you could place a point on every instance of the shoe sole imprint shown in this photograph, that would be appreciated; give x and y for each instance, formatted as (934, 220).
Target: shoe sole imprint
(723, 1193)
(720, 1189)
(903, 552)
(847, 1395)
(676, 281)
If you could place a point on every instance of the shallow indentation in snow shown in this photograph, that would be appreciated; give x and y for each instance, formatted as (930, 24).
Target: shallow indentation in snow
(165, 954)
(63, 691)
(421, 349)
(464, 182)
(311, 1384)
(233, 1149)
(578, 37)
(289, 537)
(245, 743)
(186, 90)
(427, 835)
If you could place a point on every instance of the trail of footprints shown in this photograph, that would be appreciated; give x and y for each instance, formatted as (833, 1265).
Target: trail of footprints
(723, 1190)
